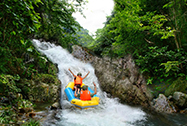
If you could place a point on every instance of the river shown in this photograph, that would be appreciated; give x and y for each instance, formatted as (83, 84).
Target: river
(110, 112)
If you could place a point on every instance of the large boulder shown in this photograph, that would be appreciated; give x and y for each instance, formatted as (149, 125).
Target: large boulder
(121, 79)
(55, 106)
(118, 77)
(180, 99)
(162, 104)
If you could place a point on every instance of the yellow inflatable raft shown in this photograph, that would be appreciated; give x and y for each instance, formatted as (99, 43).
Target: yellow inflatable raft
(77, 102)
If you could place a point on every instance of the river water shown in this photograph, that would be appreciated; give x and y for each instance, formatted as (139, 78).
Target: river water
(110, 112)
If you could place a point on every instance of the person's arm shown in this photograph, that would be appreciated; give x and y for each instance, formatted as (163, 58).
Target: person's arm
(86, 75)
(72, 72)
(95, 88)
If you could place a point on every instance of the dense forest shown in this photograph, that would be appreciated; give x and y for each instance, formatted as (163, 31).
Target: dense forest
(20, 22)
(153, 32)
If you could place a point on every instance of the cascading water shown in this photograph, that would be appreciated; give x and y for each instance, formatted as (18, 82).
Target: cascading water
(108, 112)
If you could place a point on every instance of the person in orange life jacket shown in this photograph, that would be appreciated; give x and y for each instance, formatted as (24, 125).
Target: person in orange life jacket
(85, 93)
(78, 80)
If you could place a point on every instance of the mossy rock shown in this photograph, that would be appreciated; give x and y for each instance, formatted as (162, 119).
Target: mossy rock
(42, 88)
(179, 85)
(47, 78)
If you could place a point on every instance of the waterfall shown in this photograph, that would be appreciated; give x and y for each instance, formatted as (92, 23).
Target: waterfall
(110, 112)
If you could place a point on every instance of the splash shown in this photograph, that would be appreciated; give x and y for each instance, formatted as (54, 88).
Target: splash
(110, 112)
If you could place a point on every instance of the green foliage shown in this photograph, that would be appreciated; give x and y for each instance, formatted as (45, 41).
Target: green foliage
(84, 38)
(46, 78)
(158, 87)
(18, 20)
(10, 89)
(150, 80)
(4, 59)
(151, 63)
(57, 21)
(22, 104)
(103, 42)
(155, 23)
(31, 122)
(8, 84)
(21, 20)
(177, 21)
(152, 31)
(7, 116)
(171, 65)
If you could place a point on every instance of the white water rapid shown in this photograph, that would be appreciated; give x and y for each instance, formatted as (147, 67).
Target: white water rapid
(108, 113)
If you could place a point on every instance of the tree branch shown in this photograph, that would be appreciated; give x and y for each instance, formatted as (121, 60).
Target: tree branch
(149, 41)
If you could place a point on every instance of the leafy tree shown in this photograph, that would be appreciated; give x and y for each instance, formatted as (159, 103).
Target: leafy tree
(144, 29)
(177, 21)
(103, 41)
(21, 20)
(18, 21)
(58, 24)
(84, 38)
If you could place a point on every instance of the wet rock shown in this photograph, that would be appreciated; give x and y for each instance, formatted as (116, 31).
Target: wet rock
(170, 97)
(55, 106)
(162, 104)
(180, 99)
(81, 53)
(122, 81)
(183, 111)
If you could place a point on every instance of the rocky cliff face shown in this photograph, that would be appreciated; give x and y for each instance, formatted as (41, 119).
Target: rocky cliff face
(118, 77)
(121, 78)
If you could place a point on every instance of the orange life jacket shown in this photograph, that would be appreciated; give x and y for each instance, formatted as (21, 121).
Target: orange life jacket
(85, 95)
(78, 80)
